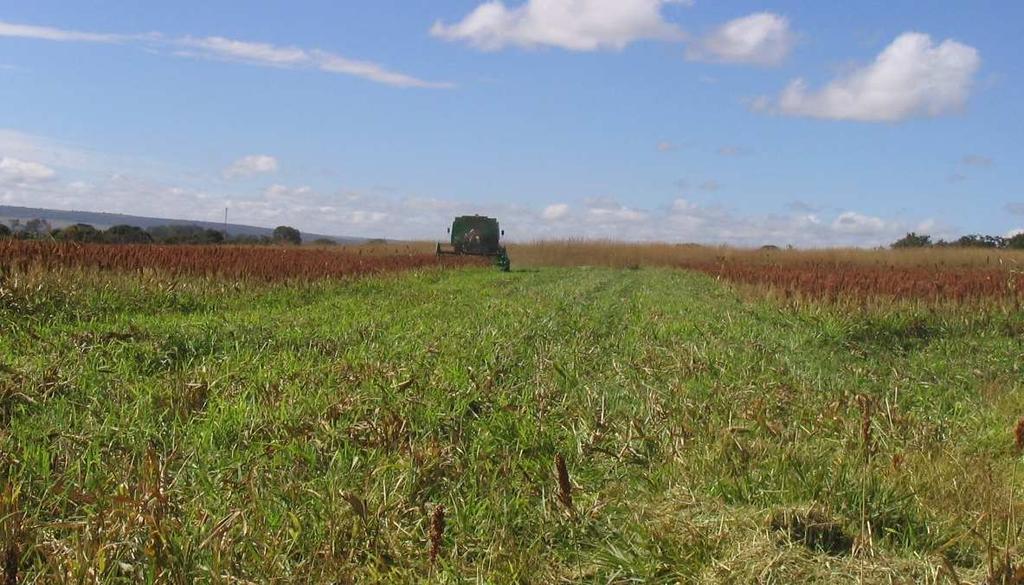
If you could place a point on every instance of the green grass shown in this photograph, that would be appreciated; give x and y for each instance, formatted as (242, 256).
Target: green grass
(197, 430)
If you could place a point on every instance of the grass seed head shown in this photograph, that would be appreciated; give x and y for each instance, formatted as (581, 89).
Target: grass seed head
(1018, 435)
(898, 459)
(866, 438)
(564, 484)
(436, 532)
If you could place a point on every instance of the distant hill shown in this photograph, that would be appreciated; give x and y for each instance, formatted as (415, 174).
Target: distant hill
(61, 218)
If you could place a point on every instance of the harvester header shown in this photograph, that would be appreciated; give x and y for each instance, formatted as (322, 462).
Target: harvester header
(476, 235)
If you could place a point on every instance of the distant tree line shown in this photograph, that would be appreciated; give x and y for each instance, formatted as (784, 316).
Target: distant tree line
(915, 240)
(40, 229)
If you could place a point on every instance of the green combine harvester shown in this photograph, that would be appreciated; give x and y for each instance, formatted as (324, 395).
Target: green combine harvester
(477, 235)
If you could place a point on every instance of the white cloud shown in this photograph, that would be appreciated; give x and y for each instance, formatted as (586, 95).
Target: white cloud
(17, 144)
(13, 170)
(912, 77)
(607, 211)
(1014, 232)
(45, 33)
(850, 222)
(555, 212)
(216, 47)
(689, 221)
(100, 184)
(336, 64)
(360, 217)
(380, 214)
(285, 194)
(293, 57)
(759, 39)
(683, 206)
(576, 25)
(254, 164)
(261, 53)
(68, 158)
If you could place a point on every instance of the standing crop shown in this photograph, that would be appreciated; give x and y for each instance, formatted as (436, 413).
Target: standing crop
(835, 281)
(256, 263)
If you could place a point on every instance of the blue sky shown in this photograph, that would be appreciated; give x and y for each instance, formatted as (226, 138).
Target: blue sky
(811, 123)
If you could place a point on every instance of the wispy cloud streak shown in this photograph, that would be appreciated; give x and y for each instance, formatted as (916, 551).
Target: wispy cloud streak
(233, 50)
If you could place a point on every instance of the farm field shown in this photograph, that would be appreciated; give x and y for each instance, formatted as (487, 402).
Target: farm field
(249, 263)
(183, 429)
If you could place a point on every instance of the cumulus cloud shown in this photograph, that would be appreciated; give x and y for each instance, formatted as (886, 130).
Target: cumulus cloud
(395, 216)
(13, 170)
(576, 25)
(762, 38)
(714, 224)
(112, 193)
(254, 164)
(225, 49)
(390, 214)
(555, 212)
(911, 77)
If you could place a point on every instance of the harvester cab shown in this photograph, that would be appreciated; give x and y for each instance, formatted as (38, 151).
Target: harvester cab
(476, 235)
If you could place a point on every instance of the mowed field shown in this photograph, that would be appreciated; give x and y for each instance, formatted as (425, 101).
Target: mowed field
(405, 427)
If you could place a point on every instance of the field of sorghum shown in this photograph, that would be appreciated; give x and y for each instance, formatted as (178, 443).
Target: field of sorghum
(936, 275)
(837, 282)
(262, 263)
(931, 275)
(551, 425)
